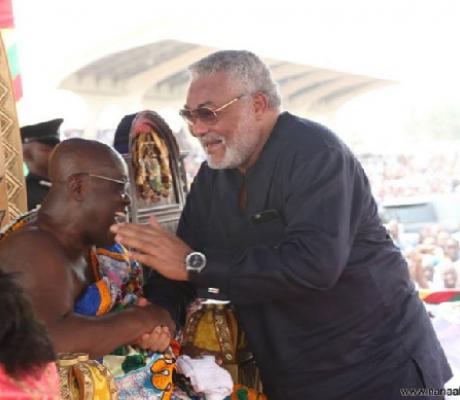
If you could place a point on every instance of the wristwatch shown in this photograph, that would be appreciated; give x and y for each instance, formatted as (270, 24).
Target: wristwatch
(195, 262)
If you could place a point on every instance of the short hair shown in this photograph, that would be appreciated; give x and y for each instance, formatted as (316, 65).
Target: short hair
(24, 342)
(244, 67)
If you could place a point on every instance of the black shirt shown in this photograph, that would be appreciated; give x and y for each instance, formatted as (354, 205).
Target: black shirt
(319, 288)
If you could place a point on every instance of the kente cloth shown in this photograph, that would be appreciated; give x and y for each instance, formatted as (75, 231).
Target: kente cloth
(18, 223)
(119, 284)
(150, 382)
(97, 299)
(43, 384)
(138, 374)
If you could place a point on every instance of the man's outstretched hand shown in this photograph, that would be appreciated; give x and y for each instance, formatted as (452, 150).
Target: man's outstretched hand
(159, 338)
(155, 247)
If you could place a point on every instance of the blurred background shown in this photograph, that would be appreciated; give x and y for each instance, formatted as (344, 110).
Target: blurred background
(383, 75)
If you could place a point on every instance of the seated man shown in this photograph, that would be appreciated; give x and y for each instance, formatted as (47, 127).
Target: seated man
(53, 253)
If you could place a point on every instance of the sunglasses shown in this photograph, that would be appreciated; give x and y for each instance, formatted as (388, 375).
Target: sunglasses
(123, 181)
(206, 115)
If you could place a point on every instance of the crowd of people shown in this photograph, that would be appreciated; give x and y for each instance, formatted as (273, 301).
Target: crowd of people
(434, 259)
(416, 172)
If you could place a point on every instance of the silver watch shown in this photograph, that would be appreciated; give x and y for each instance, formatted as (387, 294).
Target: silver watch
(195, 262)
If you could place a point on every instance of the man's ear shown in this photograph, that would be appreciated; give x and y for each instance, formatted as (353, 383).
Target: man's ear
(75, 187)
(260, 104)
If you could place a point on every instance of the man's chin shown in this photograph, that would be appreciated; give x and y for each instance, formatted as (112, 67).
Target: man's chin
(221, 163)
(214, 165)
(215, 159)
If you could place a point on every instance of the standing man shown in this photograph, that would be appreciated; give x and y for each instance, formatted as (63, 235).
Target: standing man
(38, 141)
(281, 221)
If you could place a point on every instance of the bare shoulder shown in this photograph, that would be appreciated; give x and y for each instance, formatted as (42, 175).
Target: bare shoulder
(32, 251)
(43, 270)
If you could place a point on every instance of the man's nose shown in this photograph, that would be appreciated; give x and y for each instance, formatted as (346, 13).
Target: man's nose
(198, 128)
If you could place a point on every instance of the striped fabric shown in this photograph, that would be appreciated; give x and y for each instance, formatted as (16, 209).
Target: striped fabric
(439, 296)
(9, 40)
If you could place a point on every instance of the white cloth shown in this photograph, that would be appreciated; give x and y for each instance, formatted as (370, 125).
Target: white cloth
(206, 376)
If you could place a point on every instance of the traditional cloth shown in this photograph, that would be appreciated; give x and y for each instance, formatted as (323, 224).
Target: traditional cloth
(43, 384)
(82, 378)
(118, 282)
(118, 285)
(140, 374)
(153, 381)
(211, 329)
(18, 223)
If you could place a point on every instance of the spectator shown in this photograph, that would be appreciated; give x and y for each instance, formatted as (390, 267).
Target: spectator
(451, 249)
(27, 369)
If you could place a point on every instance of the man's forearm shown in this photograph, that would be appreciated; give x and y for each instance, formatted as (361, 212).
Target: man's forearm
(97, 336)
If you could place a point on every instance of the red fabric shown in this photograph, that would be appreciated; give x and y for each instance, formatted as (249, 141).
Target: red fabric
(45, 386)
(6, 14)
(17, 86)
(175, 347)
(441, 296)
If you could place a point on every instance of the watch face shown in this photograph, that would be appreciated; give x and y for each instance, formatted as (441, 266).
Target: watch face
(196, 261)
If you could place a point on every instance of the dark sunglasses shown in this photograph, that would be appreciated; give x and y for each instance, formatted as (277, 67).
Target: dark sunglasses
(207, 115)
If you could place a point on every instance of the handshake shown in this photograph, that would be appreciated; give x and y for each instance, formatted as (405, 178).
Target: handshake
(158, 338)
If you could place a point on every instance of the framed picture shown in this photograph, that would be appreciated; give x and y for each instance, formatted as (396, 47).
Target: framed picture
(156, 172)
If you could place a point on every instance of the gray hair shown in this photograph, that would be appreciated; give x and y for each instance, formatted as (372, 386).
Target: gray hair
(244, 67)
